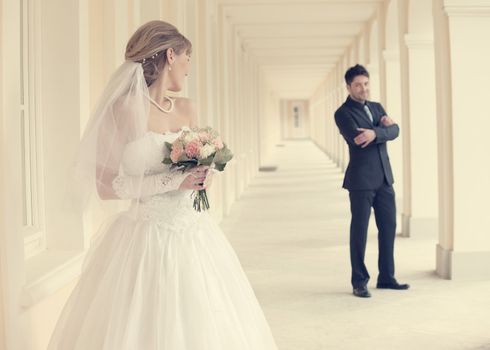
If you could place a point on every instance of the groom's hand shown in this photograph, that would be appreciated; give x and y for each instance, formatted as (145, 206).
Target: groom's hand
(365, 137)
(386, 121)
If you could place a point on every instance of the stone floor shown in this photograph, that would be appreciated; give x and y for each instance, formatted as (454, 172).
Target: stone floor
(290, 231)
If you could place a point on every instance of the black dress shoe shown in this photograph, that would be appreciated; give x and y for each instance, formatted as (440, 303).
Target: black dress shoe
(361, 292)
(393, 285)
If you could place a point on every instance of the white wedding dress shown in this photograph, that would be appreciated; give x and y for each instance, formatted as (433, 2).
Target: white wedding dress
(165, 278)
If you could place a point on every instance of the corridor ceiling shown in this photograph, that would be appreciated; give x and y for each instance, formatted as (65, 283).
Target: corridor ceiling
(296, 43)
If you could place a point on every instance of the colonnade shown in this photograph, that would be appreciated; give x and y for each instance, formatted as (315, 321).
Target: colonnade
(427, 62)
(428, 65)
(57, 66)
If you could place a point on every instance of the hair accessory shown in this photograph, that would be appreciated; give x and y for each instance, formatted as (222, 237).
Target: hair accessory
(150, 58)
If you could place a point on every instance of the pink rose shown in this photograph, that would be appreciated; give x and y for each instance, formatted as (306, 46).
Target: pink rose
(218, 143)
(204, 136)
(176, 154)
(193, 149)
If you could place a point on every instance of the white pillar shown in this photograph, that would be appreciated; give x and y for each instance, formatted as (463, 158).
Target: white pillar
(463, 251)
(394, 110)
(2, 322)
(405, 115)
(423, 135)
(373, 65)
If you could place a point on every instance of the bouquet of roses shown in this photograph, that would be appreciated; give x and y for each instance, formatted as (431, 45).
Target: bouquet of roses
(195, 147)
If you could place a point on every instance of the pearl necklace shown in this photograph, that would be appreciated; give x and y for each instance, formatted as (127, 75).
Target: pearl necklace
(160, 107)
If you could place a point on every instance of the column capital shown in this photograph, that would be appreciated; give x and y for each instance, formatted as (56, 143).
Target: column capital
(467, 8)
(414, 41)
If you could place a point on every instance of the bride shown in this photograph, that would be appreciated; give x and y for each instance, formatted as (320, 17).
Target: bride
(160, 276)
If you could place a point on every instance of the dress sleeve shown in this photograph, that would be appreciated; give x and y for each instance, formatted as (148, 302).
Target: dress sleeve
(130, 187)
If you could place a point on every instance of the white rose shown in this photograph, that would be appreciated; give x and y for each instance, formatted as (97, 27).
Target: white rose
(206, 151)
(189, 137)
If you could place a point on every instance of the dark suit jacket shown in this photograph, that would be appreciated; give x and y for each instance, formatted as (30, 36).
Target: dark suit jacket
(368, 167)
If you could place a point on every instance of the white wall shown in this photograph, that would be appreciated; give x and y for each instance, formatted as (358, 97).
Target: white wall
(292, 128)
(2, 208)
(82, 43)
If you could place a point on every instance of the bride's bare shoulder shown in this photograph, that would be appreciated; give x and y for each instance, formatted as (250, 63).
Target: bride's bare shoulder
(185, 104)
(186, 108)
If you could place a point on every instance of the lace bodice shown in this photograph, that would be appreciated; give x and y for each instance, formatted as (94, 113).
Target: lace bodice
(147, 151)
(173, 208)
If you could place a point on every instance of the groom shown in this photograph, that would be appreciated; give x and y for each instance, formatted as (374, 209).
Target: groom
(366, 128)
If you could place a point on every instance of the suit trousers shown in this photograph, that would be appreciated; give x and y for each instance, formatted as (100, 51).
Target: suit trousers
(382, 200)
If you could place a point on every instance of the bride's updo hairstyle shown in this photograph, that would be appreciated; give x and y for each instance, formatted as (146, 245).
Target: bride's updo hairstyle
(149, 45)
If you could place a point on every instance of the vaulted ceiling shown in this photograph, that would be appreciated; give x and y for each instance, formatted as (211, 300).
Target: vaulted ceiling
(297, 42)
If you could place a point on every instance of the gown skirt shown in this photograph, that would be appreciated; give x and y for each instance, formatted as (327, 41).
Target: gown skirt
(161, 276)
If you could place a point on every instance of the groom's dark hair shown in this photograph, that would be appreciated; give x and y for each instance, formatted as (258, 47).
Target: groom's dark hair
(353, 72)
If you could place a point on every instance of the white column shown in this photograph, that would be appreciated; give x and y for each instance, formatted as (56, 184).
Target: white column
(332, 130)
(3, 285)
(423, 135)
(227, 113)
(2, 322)
(337, 138)
(2, 203)
(463, 251)
(240, 116)
(344, 148)
(373, 65)
(361, 52)
(405, 116)
(341, 145)
(394, 110)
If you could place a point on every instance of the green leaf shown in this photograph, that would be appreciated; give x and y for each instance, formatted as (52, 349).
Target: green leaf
(220, 166)
(169, 146)
(207, 161)
(223, 155)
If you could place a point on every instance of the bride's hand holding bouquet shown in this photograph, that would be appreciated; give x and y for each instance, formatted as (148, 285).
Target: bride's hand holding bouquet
(197, 151)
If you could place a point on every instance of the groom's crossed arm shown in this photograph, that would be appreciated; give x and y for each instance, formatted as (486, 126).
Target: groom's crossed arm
(347, 127)
(388, 129)
(351, 132)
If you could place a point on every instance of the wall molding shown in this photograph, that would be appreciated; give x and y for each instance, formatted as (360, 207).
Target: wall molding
(48, 272)
(414, 42)
(467, 8)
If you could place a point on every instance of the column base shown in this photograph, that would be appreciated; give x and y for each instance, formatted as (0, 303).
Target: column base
(405, 225)
(462, 266)
(443, 262)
